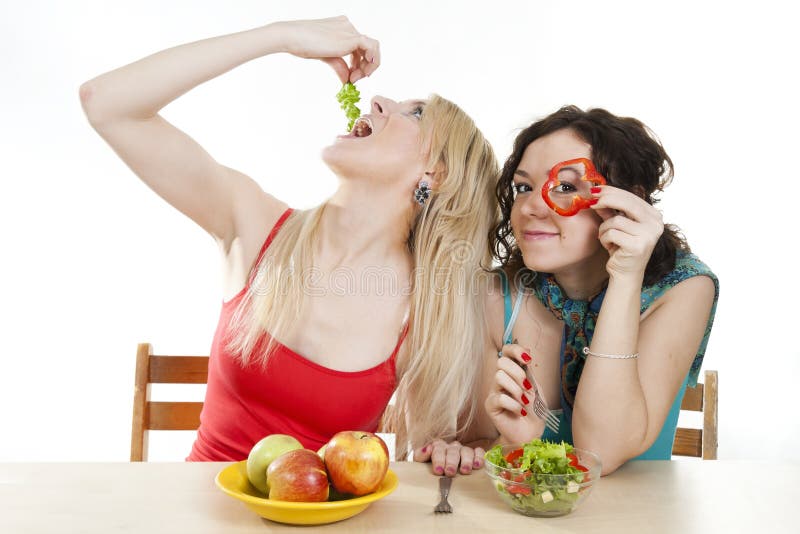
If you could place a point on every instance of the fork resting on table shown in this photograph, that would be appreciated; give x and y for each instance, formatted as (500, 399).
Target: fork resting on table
(444, 490)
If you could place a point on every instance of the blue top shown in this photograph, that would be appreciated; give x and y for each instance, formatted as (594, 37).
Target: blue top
(579, 320)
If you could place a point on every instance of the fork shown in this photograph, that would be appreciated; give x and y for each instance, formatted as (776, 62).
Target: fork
(444, 490)
(540, 406)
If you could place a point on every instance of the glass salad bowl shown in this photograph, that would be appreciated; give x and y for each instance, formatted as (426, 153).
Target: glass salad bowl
(530, 490)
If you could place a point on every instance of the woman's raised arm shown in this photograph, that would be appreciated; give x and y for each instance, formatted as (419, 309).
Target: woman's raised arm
(123, 105)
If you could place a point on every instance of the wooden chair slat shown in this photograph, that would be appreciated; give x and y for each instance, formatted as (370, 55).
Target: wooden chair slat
(178, 369)
(688, 442)
(173, 415)
(710, 417)
(693, 399)
(138, 446)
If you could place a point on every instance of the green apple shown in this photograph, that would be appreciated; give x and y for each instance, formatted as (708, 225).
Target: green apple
(263, 453)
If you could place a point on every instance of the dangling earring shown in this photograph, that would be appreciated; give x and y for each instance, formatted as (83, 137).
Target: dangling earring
(422, 192)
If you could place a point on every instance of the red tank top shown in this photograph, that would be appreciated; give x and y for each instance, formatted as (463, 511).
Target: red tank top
(292, 396)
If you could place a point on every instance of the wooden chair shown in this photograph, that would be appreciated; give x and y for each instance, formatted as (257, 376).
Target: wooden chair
(149, 415)
(693, 441)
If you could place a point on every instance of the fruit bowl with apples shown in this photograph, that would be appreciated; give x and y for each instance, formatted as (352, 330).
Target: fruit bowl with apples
(284, 482)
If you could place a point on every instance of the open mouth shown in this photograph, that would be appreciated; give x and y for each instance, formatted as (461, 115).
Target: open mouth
(362, 127)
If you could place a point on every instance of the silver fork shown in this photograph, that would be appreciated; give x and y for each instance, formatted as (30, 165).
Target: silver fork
(444, 490)
(540, 406)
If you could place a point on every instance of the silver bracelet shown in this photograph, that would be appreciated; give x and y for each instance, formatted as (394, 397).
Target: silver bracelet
(611, 356)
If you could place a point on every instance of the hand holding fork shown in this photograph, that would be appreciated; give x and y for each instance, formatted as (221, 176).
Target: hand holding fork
(540, 405)
(508, 405)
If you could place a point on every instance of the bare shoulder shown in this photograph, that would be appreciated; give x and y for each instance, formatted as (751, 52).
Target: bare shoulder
(684, 308)
(534, 318)
(533, 321)
(699, 287)
(256, 210)
(693, 295)
(534, 310)
(255, 214)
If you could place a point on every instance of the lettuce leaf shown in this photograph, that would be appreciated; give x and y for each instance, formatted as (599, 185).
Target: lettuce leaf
(495, 456)
(348, 96)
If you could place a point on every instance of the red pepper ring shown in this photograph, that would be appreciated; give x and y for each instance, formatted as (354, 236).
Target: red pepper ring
(578, 202)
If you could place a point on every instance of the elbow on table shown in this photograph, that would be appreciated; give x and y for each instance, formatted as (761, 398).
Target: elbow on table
(611, 464)
(612, 456)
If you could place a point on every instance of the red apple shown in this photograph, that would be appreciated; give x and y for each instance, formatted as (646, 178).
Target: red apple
(357, 461)
(262, 454)
(298, 476)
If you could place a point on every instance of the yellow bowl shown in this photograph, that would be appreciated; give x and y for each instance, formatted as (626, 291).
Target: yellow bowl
(233, 481)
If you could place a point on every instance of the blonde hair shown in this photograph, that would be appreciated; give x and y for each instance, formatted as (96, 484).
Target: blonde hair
(439, 367)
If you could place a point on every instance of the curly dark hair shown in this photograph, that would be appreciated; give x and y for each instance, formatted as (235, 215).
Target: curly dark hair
(624, 150)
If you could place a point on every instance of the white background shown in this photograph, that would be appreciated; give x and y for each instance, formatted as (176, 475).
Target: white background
(93, 262)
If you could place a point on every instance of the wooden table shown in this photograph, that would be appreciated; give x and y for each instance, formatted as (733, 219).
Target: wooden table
(679, 496)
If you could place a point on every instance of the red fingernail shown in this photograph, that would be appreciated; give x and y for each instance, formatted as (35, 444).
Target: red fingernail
(527, 384)
(525, 399)
(523, 412)
(525, 357)
(595, 190)
(438, 470)
(424, 449)
(594, 201)
(476, 463)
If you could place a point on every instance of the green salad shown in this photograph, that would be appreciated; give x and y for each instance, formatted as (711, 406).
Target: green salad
(348, 96)
(539, 478)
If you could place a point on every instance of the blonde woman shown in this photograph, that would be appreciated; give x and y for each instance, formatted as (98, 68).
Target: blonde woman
(297, 351)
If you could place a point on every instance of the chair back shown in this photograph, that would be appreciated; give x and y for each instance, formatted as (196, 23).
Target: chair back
(149, 415)
(701, 443)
